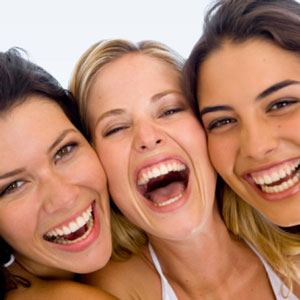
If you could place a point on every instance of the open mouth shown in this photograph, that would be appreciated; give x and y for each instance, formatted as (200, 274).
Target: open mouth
(76, 231)
(163, 183)
(278, 179)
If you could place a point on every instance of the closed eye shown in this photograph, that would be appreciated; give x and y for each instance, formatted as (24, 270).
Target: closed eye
(219, 123)
(11, 188)
(114, 130)
(281, 104)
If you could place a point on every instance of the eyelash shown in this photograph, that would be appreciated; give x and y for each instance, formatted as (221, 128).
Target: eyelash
(60, 154)
(114, 130)
(281, 104)
(171, 111)
(219, 123)
(11, 188)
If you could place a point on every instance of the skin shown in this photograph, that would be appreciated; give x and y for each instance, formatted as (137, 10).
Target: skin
(52, 180)
(138, 117)
(251, 131)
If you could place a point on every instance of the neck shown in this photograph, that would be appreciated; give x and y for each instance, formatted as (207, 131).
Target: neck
(30, 270)
(211, 253)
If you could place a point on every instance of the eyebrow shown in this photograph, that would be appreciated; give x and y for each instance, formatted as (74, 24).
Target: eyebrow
(272, 89)
(110, 113)
(120, 111)
(12, 173)
(60, 138)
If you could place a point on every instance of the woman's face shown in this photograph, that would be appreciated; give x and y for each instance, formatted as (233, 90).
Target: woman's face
(152, 147)
(249, 98)
(53, 196)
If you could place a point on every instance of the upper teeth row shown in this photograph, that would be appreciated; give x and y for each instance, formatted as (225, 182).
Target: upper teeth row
(276, 174)
(158, 171)
(72, 226)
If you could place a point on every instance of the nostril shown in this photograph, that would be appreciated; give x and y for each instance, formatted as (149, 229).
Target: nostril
(158, 141)
(143, 147)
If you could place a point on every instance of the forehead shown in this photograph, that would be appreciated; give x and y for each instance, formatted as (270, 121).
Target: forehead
(255, 63)
(134, 73)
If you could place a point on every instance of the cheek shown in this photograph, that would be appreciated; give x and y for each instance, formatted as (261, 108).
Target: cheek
(18, 223)
(221, 153)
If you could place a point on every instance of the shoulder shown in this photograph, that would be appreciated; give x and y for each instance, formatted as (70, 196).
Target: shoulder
(56, 290)
(135, 278)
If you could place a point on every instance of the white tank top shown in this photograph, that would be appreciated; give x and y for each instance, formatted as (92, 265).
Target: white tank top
(277, 285)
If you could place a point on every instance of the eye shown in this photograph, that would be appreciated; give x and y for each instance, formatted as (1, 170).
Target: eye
(11, 188)
(220, 123)
(280, 104)
(65, 151)
(114, 130)
(171, 111)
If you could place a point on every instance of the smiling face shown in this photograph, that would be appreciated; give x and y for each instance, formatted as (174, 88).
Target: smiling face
(249, 98)
(152, 147)
(53, 195)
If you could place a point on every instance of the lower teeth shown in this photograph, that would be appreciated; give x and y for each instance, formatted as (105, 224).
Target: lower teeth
(168, 201)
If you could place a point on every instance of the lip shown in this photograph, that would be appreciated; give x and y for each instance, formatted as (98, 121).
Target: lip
(279, 196)
(83, 244)
(172, 206)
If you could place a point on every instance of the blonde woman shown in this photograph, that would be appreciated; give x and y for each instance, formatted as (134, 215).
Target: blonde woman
(153, 150)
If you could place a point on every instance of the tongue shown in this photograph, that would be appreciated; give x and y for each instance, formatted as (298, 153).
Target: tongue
(167, 192)
(75, 235)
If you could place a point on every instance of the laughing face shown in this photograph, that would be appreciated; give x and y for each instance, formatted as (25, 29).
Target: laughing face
(53, 196)
(250, 105)
(152, 147)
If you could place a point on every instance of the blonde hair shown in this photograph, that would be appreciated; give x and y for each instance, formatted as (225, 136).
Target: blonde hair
(105, 52)
(127, 238)
(278, 247)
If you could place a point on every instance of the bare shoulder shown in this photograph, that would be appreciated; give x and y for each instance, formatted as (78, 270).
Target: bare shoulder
(135, 278)
(57, 290)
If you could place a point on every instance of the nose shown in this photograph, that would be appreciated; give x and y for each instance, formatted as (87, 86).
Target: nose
(58, 194)
(148, 137)
(259, 140)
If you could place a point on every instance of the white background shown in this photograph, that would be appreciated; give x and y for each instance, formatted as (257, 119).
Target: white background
(56, 32)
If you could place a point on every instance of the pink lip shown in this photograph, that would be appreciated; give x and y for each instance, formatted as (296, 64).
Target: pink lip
(172, 206)
(84, 244)
(275, 196)
(266, 167)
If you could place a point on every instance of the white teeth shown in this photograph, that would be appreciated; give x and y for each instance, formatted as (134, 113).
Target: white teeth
(281, 187)
(276, 175)
(73, 225)
(168, 201)
(163, 169)
(63, 241)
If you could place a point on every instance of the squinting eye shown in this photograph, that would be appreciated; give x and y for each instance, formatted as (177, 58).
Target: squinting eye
(64, 151)
(12, 187)
(171, 111)
(220, 123)
(114, 130)
(281, 104)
